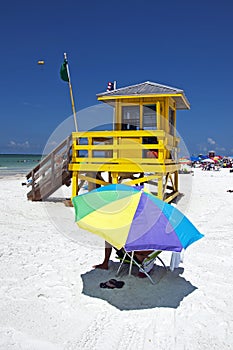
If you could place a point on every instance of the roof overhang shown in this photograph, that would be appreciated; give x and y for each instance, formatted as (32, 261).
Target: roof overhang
(180, 99)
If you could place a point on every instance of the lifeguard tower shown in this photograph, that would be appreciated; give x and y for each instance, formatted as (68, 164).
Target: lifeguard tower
(141, 148)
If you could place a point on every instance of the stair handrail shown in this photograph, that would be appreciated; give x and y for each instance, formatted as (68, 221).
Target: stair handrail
(47, 158)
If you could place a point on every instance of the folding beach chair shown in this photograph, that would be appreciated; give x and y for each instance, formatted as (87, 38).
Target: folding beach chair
(129, 258)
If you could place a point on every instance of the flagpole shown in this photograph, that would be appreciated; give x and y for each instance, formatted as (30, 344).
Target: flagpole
(71, 92)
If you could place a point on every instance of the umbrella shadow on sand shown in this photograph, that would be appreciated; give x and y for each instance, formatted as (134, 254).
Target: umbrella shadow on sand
(169, 290)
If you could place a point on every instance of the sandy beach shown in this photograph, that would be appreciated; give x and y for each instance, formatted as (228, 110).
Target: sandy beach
(50, 297)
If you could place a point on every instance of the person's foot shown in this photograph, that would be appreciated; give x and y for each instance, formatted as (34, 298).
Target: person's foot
(141, 275)
(102, 266)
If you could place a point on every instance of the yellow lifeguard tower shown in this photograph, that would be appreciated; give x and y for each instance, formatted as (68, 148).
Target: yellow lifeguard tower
(141, 148)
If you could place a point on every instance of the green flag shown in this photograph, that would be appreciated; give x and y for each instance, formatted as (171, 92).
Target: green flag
(63, 71)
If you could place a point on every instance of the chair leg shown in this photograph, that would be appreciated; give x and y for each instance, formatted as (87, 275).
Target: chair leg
(131, 263)
(162, 262)
(132, 260)
(122, 261)
(140, 267)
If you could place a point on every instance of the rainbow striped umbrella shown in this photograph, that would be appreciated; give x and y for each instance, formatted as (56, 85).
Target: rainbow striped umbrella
(134, 219)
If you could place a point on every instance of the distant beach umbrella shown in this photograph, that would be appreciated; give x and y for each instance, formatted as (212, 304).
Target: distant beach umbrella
(184, 161)
(207, 160)
(194, 159)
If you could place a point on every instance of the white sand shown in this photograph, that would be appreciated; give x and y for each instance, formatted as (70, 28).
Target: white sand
(50, 296)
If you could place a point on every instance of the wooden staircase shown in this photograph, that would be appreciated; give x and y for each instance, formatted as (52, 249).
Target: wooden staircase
(51, 173)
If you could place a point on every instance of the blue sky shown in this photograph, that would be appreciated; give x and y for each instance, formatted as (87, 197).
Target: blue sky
(185, 44)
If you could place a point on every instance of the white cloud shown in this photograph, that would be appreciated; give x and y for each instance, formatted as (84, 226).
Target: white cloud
(220, 149)
(50, 146)
(21, 145)
(211, 144)
(211, 141)
(53, 143)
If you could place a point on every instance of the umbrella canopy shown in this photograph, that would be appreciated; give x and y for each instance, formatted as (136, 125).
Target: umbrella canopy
(207, 160)
(194, 159)
(134, 219)
(184, 161)
(217, 159)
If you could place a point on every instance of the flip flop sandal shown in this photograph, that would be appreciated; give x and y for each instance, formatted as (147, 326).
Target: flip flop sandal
(118, 284)
(111, 284)
(107, 285)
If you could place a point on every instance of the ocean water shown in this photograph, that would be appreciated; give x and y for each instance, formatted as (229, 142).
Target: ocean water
(12, 164)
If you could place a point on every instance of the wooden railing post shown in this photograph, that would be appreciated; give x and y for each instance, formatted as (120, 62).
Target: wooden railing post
(33, 185)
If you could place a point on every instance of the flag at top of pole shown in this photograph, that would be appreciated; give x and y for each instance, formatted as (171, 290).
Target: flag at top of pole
(65, 75)
(63, 71)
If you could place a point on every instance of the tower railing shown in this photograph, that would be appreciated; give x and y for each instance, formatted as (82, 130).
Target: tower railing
(124, 151)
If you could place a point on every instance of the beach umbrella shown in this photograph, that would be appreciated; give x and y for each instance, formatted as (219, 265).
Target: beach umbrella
(194, 159)
(184, 161)
(134, 219)
(217, 158)
(207, 160)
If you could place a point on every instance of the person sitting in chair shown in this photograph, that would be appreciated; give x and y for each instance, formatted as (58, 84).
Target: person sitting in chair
(139, 257)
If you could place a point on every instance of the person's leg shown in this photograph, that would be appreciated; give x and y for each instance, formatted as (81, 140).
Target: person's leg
(107, 254)
(141, 256)
(120, 253)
